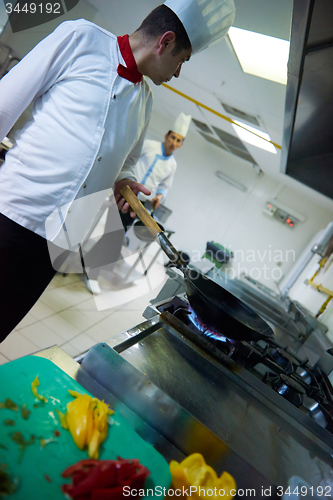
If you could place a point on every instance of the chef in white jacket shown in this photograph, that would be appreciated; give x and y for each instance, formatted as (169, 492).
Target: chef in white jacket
(91, 109)
(155, 170)
(157, 165)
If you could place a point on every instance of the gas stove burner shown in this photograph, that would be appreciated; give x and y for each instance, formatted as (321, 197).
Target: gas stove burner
(315, 411)
(204, 329)
(289, 389)
(283, 359)
(187, 316)
(304, 375)
(173, 305)
(183, 314)
(307, 379)
(306, 387)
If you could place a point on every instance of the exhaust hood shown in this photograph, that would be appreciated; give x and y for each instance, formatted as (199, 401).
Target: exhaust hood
(307, 151)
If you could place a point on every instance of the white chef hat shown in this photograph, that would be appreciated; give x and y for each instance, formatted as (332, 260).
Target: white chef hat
(181, 125)
(205, 21)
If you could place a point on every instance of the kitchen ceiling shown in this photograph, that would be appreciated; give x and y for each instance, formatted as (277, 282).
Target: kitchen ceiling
(215, 78)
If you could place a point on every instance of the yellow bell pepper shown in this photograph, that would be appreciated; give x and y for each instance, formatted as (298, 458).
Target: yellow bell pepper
(34, 386)
(100, 428)
(77, 416)
(62, 418)
(194, 477)
(86, 419)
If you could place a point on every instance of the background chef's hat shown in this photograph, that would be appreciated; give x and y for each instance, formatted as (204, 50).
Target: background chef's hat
(181, 125)
(205, 21)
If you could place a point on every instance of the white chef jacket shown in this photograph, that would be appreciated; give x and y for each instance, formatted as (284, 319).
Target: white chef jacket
(86, 131)
(155, 170)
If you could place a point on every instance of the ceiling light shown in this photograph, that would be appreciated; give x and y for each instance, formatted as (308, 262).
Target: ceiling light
(261, 55)
(249, 136)
(254, 130)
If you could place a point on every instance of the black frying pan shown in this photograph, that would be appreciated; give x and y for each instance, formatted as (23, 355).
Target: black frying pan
(220, 310)
(215, 306)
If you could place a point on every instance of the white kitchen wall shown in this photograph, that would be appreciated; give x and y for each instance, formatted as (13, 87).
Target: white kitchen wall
(206, 208)
(311, 298)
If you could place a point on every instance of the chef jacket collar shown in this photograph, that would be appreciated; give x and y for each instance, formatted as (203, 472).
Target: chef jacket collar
(130, 72)
(164, 153)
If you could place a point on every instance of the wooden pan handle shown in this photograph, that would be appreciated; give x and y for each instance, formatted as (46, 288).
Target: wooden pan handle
(140, 210)
(153, 227)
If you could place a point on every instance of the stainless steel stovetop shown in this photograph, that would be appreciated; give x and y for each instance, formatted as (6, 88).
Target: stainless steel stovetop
(274, 434)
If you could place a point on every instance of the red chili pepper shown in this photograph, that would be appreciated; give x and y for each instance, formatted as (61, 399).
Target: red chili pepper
(78, 477)
(81, 464)
(67, 488)
(102, 476)
(103, 479)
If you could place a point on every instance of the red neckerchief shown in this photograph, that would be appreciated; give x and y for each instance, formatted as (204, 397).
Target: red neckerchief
(131, 73)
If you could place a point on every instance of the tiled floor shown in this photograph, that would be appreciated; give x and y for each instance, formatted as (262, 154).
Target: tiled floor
(69, 316)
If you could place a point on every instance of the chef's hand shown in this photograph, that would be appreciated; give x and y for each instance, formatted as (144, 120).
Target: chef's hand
(157, 200)
(136, 188)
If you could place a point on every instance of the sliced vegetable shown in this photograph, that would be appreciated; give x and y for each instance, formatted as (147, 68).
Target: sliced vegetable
(34, 386)
(44, 442)
(18, 438)
(9, 405)
(25, 413)
(77, 417)
(86, 419)
(104, 479)
(8, 483)
(9, 422)
(62, 418)
(193, 471)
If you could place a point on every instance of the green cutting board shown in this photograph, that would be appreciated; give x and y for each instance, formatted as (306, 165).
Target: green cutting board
(32, 466)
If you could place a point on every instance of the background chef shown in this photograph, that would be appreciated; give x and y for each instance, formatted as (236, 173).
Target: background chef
(155, 170)
(157, 165)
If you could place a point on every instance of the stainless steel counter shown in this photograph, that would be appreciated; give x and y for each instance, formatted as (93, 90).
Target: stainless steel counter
(268, 432)
(154, 415)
